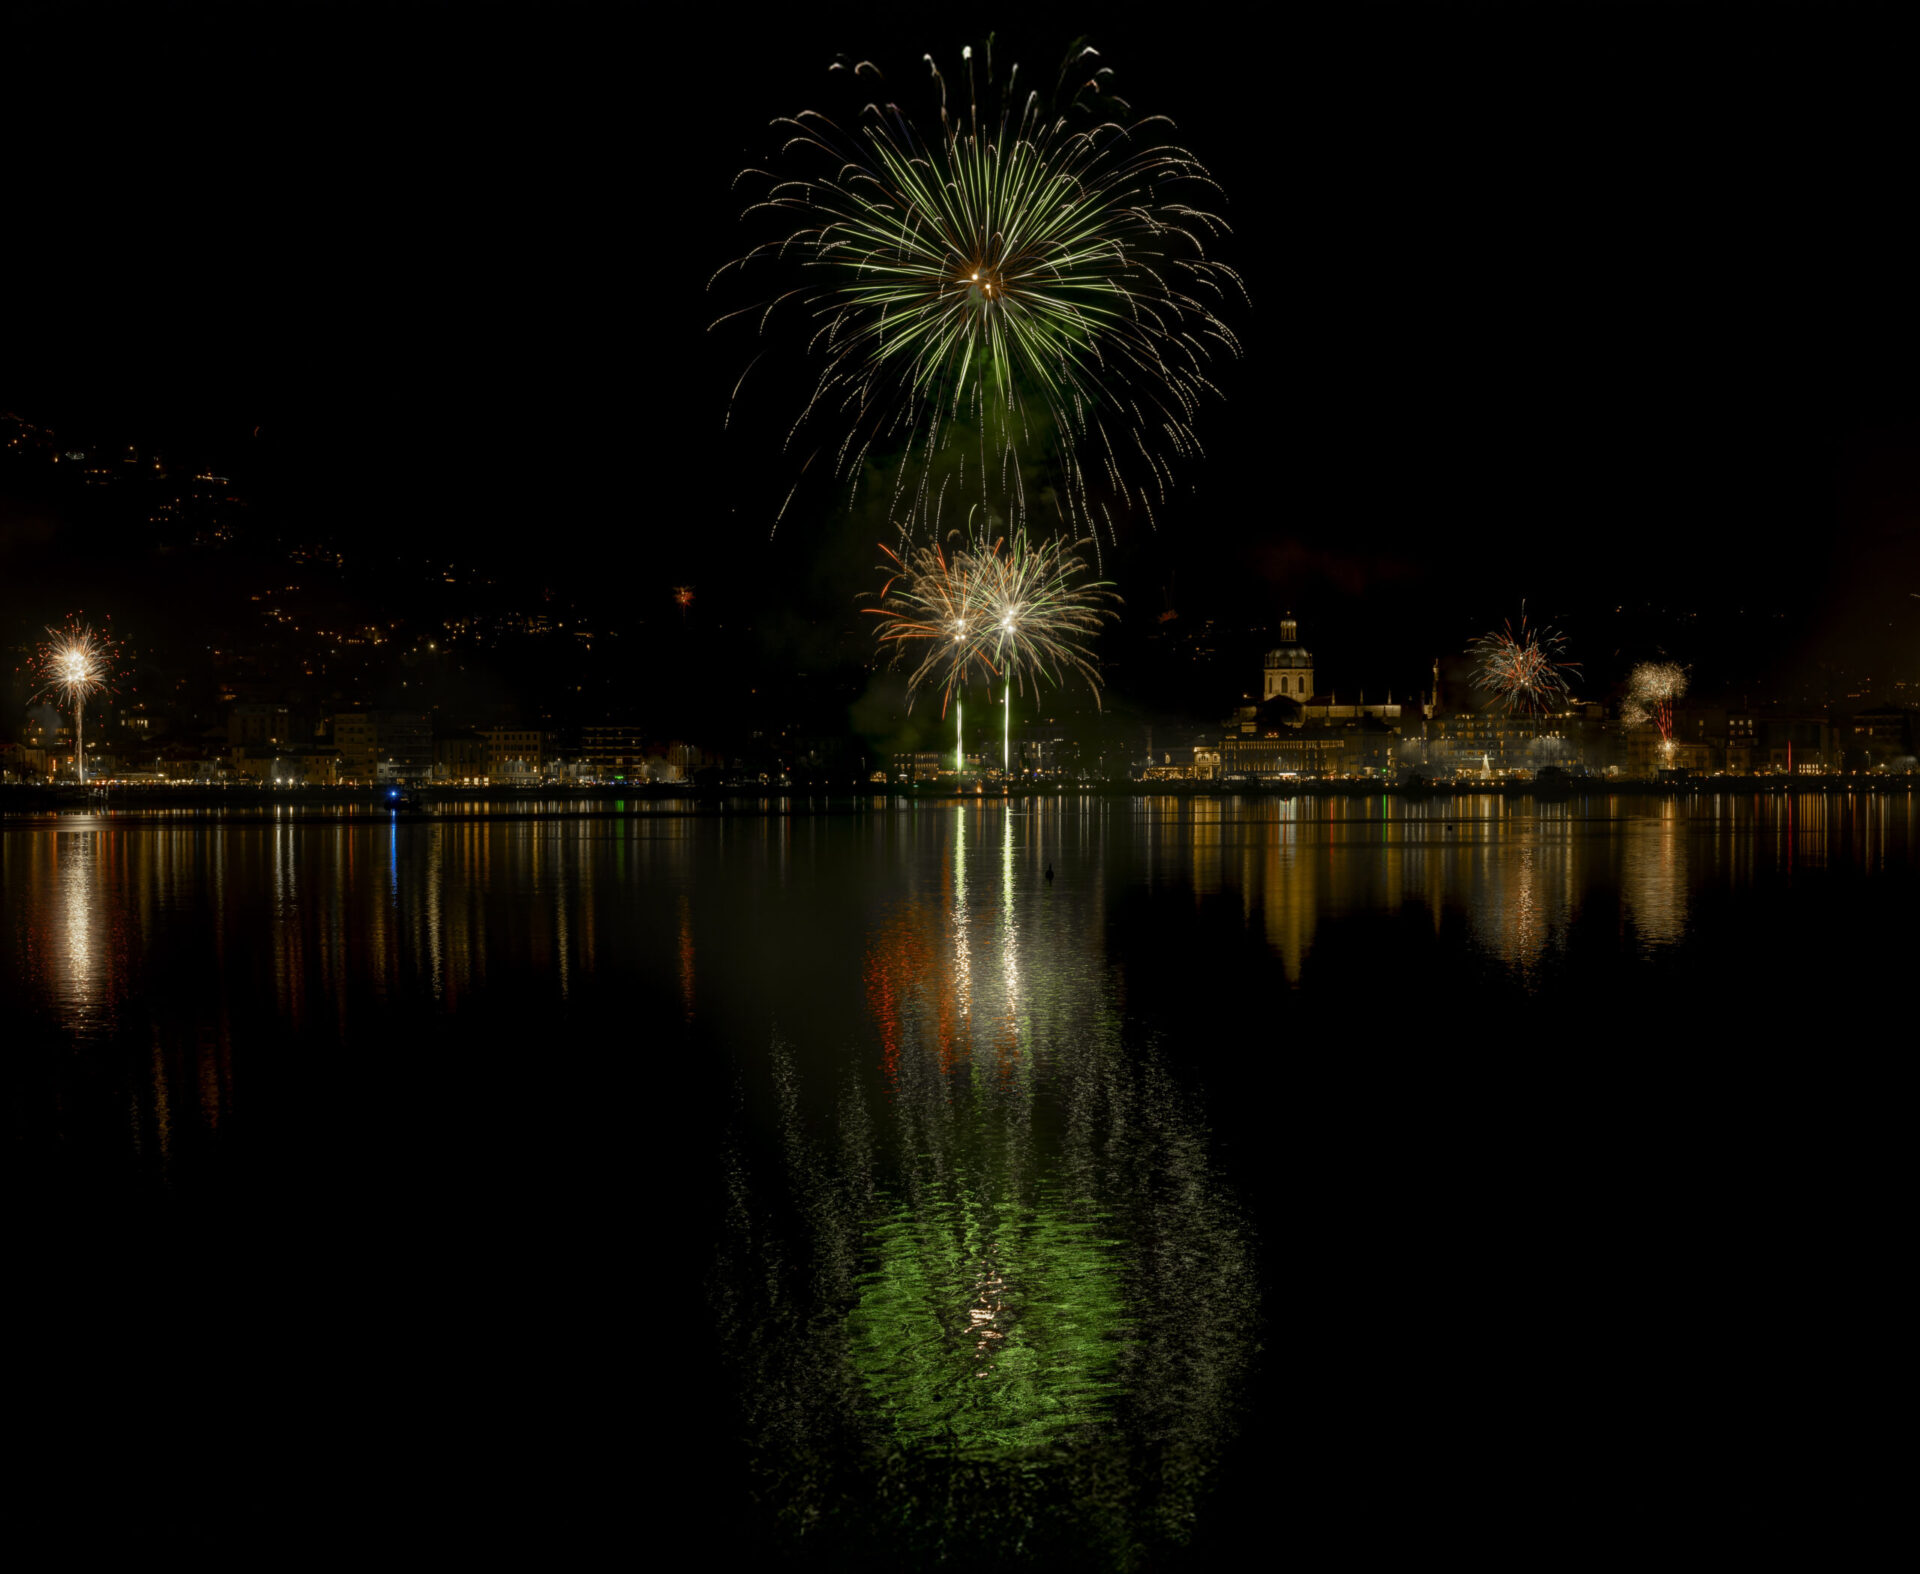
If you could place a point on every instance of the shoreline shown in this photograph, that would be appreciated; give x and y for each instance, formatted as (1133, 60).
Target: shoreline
(370, 804)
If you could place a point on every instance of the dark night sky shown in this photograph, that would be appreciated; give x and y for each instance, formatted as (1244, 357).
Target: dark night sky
(1586, 304)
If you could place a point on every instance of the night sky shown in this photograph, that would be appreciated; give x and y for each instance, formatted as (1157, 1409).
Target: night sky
(1593, 306)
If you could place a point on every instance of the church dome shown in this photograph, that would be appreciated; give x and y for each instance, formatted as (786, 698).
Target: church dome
(1289, 652)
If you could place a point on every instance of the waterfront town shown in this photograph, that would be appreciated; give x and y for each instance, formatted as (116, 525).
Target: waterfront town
(252, 649)
(1297, 726)
(1163, 752)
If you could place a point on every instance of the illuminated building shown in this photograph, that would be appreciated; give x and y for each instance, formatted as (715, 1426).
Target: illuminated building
(920, 765)
(513, 753)
(613, 751)
(384, 745)
(1198, 761)
(403, 745)
(1486, 742)
(1289, 670)
(1290, 675)
(460, 759)
(1881, 737)
(1797, 745)
(298, 768)
(1295, 730)
(353, 737)
(1301, 751)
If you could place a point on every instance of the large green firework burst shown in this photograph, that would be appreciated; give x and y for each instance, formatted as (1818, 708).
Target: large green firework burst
(1017, 294)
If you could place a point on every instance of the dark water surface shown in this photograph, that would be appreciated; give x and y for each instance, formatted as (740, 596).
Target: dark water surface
(1336, 1167)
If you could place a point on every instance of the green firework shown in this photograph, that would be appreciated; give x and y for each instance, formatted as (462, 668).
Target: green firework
(1025, 287)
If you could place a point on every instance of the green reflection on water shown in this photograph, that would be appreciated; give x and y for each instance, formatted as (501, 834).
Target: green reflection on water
(990, 1327)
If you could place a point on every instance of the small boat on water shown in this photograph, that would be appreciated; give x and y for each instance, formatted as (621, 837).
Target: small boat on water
(402, 800)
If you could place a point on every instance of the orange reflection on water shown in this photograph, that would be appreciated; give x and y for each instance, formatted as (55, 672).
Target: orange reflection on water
(900, 968)
(922, 985)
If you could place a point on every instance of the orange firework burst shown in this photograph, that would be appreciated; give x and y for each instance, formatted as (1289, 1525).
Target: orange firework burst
(1523, 671)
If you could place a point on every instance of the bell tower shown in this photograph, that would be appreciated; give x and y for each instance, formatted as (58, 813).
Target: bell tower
(1289, 672)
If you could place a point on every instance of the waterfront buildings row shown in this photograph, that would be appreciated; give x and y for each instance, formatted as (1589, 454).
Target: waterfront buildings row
(264, 743)
(1297, 731)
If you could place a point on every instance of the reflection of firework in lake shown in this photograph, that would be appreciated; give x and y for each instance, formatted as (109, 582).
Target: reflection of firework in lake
(1652, 687)
(1523, 671)
(1022, 271)
(75, 661)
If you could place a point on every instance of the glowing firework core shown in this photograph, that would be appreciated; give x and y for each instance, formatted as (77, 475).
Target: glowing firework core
(75, 662)
(985, 286)
(1523, 671)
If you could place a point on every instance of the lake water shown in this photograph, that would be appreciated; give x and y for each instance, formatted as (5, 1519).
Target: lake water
(1354, 1160)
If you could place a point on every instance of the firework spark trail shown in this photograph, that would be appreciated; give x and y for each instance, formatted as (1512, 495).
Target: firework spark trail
(1652, 687)
(1523, 671)
(1040, 613)
(75, 661)
(999, 278)
(1013, 611)
(929, 606)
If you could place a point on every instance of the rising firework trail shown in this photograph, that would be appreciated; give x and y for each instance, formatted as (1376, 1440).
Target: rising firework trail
(1523, 671)
(1016, 279)
(74, 661)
